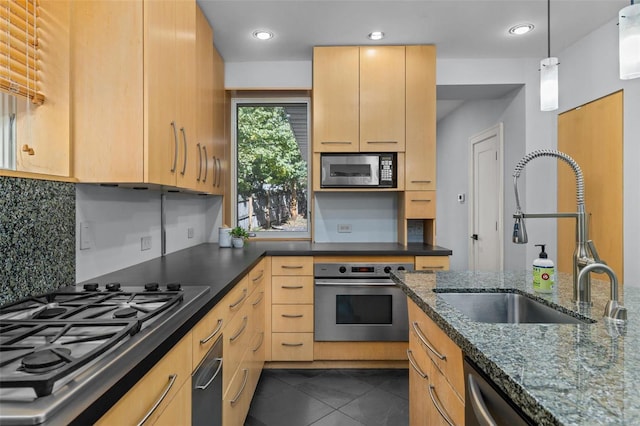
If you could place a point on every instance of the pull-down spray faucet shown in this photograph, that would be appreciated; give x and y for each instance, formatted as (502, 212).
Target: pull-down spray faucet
(585, 252)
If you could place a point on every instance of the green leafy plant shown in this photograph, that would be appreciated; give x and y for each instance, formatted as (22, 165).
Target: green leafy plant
(239, 232)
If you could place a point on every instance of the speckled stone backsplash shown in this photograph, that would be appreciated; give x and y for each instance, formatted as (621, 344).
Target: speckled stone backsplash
(37, 236)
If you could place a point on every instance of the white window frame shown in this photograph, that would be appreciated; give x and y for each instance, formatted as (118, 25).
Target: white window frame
(289, 235)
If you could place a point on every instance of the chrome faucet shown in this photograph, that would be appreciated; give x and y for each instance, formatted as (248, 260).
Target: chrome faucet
(585, 252)
(612, 309)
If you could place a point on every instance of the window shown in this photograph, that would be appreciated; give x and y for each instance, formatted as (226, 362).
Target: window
(271, 167)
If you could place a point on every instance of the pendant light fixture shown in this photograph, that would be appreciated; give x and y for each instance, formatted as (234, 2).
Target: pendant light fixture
(629, 27)
(549, 73)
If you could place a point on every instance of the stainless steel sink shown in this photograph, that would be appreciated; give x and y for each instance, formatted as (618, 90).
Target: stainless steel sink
(503, 307)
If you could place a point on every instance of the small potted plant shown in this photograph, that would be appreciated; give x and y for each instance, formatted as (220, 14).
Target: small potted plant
(238, 236)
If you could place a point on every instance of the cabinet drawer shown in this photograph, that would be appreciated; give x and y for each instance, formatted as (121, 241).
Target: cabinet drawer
(292, 265)
(290, 290)
(420, 204)
(207, 332)
(445, 354)
(168, 375)
(292, 346)
(179, 409)
(258, 274)
(234, 300)
(292, 318)
(435, 263)
(445, 405)
(237, 398)
(237, 336)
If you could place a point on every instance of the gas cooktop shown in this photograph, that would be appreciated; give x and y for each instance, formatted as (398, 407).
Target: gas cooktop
(50, 340)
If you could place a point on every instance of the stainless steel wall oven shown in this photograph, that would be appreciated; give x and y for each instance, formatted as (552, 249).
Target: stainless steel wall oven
(359, 302)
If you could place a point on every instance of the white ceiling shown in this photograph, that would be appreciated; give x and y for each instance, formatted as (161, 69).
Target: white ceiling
(459, 29)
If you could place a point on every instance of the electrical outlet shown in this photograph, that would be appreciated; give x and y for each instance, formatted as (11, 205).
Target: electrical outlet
(189, 232)
(86, 241)
(145, 243)
(344, 228)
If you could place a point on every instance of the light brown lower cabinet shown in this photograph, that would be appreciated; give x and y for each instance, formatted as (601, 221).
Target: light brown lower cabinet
(436, 389)
(154, 396)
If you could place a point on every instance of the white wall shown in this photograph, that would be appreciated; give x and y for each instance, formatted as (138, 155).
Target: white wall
(454, 132)
(588, 71)
(118, 218)
(372, 216)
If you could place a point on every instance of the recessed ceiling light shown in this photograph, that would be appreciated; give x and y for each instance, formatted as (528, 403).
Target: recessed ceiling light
(376, 35)
(521, 29)
(263, 35)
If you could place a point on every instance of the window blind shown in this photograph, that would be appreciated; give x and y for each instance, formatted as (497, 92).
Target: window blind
(19, 49)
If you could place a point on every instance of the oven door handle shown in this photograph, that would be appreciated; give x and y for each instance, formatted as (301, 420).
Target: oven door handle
(354, 283)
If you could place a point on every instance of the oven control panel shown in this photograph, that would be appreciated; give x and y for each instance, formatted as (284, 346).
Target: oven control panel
(359, 270)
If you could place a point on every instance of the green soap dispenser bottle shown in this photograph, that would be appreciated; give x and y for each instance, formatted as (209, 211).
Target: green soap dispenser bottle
(543, 272)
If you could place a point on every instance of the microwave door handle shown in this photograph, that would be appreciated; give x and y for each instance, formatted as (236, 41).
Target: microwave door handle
(349, 283)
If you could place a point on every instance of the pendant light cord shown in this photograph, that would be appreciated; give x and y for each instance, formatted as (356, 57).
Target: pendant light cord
(549, 28)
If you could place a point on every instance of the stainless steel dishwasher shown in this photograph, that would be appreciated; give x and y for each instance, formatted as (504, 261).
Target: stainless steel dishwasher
(206, 394)
(485, 404)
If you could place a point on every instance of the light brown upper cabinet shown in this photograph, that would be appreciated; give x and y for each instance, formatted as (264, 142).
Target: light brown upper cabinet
(220, 118)
(359, 99)
(204, 158)
(420, 159)
(133, 69)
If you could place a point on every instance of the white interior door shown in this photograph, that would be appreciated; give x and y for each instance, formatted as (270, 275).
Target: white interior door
(485, 204)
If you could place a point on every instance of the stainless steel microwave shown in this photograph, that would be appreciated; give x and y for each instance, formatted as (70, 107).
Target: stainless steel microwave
(359, 170)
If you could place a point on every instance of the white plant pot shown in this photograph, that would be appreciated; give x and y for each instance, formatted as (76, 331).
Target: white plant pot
(237, 242)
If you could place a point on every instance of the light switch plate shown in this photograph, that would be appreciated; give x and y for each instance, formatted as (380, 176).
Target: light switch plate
(86, 239)
(145, 243)
(344, 228)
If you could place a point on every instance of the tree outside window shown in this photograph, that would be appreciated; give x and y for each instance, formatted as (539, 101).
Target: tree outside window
(272, 169)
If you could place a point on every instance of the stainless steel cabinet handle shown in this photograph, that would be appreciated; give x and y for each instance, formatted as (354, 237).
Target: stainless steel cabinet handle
(206, 164)
(292, 267)
(258, 277)
(292, 287)
(479, 408)
(213, 333)
(244, 383)
(199, 162)
(233, 338)
(257, 302)
(175, 149)
(432, 267)
(206, 385)
(259, 344)
(414, 364)
(420, 181)
(417, 200)
(239, 301)
(336, 143)
(291, 344)
(219, 173)
(172, 380)
(184, 143)
(436, 402)
(215, 170)
(382, 141)
(292, 316)
(424, 340)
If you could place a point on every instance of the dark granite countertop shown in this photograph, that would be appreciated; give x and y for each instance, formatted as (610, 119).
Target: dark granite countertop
(219, 269)
(558, 374)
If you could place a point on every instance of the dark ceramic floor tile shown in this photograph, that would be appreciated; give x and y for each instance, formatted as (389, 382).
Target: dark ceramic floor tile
(378, 408)
(252, 421)
(334, 388)
(337, 419)
(397, 385)
(290, 407)
(295, 377)
(269, 386)
(375, 377)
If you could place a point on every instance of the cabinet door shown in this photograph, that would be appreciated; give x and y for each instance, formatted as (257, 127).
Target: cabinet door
(185, 89)
(420, 160)
(203, 162)
(382, 98)
(220, 120)
(162, 158)
(335, 99)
